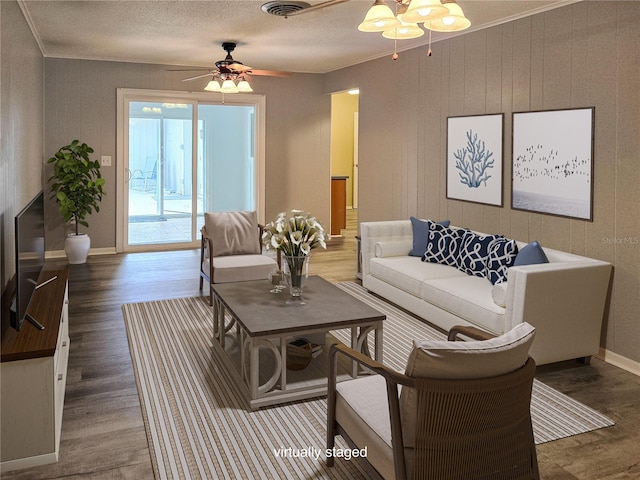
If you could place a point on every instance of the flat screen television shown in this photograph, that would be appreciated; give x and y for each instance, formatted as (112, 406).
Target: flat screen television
(29, 243)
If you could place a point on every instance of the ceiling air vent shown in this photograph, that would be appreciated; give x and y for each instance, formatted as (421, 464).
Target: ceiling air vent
(283, 8)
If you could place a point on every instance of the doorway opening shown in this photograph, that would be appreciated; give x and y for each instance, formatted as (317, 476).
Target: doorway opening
(344, 163)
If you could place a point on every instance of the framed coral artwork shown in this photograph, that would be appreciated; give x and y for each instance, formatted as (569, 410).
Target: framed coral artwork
(553, 162)
(474, 158)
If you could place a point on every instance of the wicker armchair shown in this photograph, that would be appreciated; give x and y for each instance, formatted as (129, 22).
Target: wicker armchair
(478, 428)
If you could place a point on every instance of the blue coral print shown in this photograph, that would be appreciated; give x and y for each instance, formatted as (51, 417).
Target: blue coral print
(474, 161)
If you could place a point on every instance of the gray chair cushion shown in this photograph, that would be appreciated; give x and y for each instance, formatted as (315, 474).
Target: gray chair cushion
(462, 360)
(233, 233)
(241, 268)
(362, 410)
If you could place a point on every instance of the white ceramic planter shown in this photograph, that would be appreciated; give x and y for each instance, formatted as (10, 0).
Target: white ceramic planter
(77, 248)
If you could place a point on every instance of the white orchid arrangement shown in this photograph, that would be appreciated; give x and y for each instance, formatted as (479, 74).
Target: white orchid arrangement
(294, 236)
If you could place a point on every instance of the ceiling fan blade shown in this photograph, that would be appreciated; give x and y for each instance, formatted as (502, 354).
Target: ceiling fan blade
(269, 73)
(197, 77)
(194, 69)
(238, 67)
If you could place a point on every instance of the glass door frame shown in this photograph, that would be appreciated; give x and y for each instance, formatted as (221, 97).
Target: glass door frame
(127, 95)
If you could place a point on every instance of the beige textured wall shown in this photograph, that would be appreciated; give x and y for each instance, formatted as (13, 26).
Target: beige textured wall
(81, 103)
(586, 54)
(21, 127)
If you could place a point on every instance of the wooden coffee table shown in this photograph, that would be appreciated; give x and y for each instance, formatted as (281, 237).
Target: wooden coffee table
(255, 354)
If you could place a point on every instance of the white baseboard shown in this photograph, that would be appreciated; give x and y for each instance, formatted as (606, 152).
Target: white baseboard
(620, 361)
(93, 251)
(26, 462)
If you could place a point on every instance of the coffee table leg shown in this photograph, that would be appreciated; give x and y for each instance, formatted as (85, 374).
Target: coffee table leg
(378, 341)
(360, 343)
(283, 364)
(218, 313)
(252, 347)
(354, 346)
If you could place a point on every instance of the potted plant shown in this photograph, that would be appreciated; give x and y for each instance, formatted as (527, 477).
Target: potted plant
(76, 185)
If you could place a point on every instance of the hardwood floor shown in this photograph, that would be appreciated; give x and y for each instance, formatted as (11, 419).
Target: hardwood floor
(103, 434)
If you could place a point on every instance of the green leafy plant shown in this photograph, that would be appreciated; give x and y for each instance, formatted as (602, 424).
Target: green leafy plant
(76, 183)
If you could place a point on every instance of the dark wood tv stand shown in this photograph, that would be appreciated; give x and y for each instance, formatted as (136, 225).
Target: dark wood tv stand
(34, 375)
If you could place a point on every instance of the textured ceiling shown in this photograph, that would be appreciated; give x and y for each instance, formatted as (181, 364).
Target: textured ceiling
(191, 32)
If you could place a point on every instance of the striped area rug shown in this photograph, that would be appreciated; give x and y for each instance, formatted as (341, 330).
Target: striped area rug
(197, 424)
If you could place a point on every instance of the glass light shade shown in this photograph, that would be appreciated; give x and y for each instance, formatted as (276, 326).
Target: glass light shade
(454, 21)
(213, 86)
(229, 87)
(379, 18)
(243, 86)
(404, 31)
(424, 11)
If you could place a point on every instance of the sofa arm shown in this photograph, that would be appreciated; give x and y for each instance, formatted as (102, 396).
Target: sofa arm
(383, 231)
(564, 301)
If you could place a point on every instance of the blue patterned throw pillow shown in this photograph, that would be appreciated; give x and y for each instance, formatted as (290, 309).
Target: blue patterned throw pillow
(502, 254)
(421, 235)
(473, 253)
(443, 245)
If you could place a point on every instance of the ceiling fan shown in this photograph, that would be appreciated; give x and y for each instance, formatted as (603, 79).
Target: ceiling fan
(229, 75)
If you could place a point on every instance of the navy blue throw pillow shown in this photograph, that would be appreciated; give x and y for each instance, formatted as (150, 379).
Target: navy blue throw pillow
(443, 245)
(421, 235)
(502, 254)
(531, 254)
(473, 253)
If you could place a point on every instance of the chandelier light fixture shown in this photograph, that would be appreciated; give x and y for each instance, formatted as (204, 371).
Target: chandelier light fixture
(435, 15)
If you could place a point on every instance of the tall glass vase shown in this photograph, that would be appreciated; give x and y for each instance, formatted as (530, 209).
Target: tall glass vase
(296, 270)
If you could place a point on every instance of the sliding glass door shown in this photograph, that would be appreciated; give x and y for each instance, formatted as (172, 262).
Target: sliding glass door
(160, 200)
(181, 158)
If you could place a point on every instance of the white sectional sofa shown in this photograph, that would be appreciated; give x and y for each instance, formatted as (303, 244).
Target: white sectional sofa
(563, 299)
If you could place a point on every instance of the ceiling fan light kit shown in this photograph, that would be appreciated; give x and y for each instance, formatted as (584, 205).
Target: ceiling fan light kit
(244, 87)
(213, 86)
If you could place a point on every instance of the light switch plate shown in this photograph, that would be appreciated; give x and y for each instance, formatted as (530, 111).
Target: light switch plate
(105, 160)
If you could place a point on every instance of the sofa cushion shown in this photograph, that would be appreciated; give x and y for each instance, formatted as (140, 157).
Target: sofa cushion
(501, 255)
(474, 251)
(467, 297)
(233, 233)
(462, 360)
(408, 273)
(443, 245)
(531, 254)
(421, 235)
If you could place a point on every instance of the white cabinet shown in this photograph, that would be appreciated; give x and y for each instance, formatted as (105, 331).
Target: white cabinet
(33, 377)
